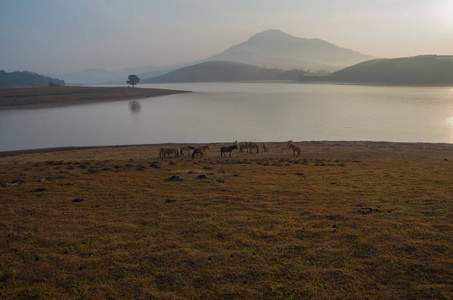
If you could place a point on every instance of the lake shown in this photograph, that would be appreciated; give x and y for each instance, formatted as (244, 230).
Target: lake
(227, 112)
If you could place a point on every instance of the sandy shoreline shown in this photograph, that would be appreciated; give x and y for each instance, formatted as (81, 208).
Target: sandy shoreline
(15, 98)
(342, 150)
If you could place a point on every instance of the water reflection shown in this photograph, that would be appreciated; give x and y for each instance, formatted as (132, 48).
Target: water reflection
(449, 122)
(135, 106)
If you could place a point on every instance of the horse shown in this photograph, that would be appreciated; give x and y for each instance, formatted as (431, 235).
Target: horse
(264, 147)
(162, 151)
(205, 149)
(167, 152)
(198, 152)
(295, 149)
(173, 151)
(242, 147)
(251, 146)
(230, 149)
(186, 148)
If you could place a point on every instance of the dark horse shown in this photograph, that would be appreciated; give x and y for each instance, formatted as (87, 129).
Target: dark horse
(186, 148)
(230, 149)
(198, 152)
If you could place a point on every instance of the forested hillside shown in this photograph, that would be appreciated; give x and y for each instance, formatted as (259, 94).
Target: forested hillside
(424, 69)
(213, 71)
(27, 79)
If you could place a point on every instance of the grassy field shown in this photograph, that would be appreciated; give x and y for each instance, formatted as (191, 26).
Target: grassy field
(120, 222)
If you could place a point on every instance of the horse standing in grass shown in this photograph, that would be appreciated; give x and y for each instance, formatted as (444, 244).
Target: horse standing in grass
(167, 152)
(296, 150)
(186, 148)
(198, 152)
(251, 146)
(205, 149)
(230, 149)
(162, 151)
(173, 151)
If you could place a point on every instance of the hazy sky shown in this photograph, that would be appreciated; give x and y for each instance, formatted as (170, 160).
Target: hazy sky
(71, 35)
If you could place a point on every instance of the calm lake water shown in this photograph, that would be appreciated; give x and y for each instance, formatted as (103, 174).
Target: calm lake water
(240, 111)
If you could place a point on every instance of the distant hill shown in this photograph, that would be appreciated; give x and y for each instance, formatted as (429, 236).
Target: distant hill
(268, 49)
(276, 49)
(424, 69)
(26, 79)
(102, 76)
(215, 71)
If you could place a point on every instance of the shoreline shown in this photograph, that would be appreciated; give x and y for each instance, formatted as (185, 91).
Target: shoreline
(44, 97)
(310, 149)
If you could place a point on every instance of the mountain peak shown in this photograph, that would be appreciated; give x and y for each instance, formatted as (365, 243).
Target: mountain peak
(276, 49)
(271, 34)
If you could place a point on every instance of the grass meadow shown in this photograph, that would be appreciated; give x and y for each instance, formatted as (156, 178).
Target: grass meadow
(244, 227)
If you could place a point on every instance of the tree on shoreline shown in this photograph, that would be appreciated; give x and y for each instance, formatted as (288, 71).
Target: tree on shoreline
(133, 80)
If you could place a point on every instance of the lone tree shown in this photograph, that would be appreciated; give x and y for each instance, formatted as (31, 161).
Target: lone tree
(133, 80)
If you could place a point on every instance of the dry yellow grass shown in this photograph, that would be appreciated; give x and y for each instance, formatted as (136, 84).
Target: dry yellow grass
(119, 222)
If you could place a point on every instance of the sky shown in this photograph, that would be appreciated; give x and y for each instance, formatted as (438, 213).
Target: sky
(62, 36)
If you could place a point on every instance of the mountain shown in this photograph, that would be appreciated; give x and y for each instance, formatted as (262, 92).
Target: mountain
(102, 76)
(212, 71)
(276, 49)
(423, 69)
(88, 76)
(268, 49)
(26, 79)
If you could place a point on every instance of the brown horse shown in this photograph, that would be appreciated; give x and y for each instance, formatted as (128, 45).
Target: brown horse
(198, 152)
(162, 151)
(264, 147)
(230, 149)
(186, 148)
(251, 146)
(296, 150)
(167, 152)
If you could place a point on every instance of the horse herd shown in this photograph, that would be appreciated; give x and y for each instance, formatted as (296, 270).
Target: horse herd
(169, 152)
(202, 151)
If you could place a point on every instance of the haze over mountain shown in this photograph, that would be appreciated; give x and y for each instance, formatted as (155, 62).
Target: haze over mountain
(102, 76)
(62, 37)
(423, 69)
(417, 70)
(270, 48)
(276, 49)
(212, 71)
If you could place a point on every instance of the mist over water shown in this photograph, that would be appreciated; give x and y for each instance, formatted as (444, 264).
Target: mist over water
(226, 112)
